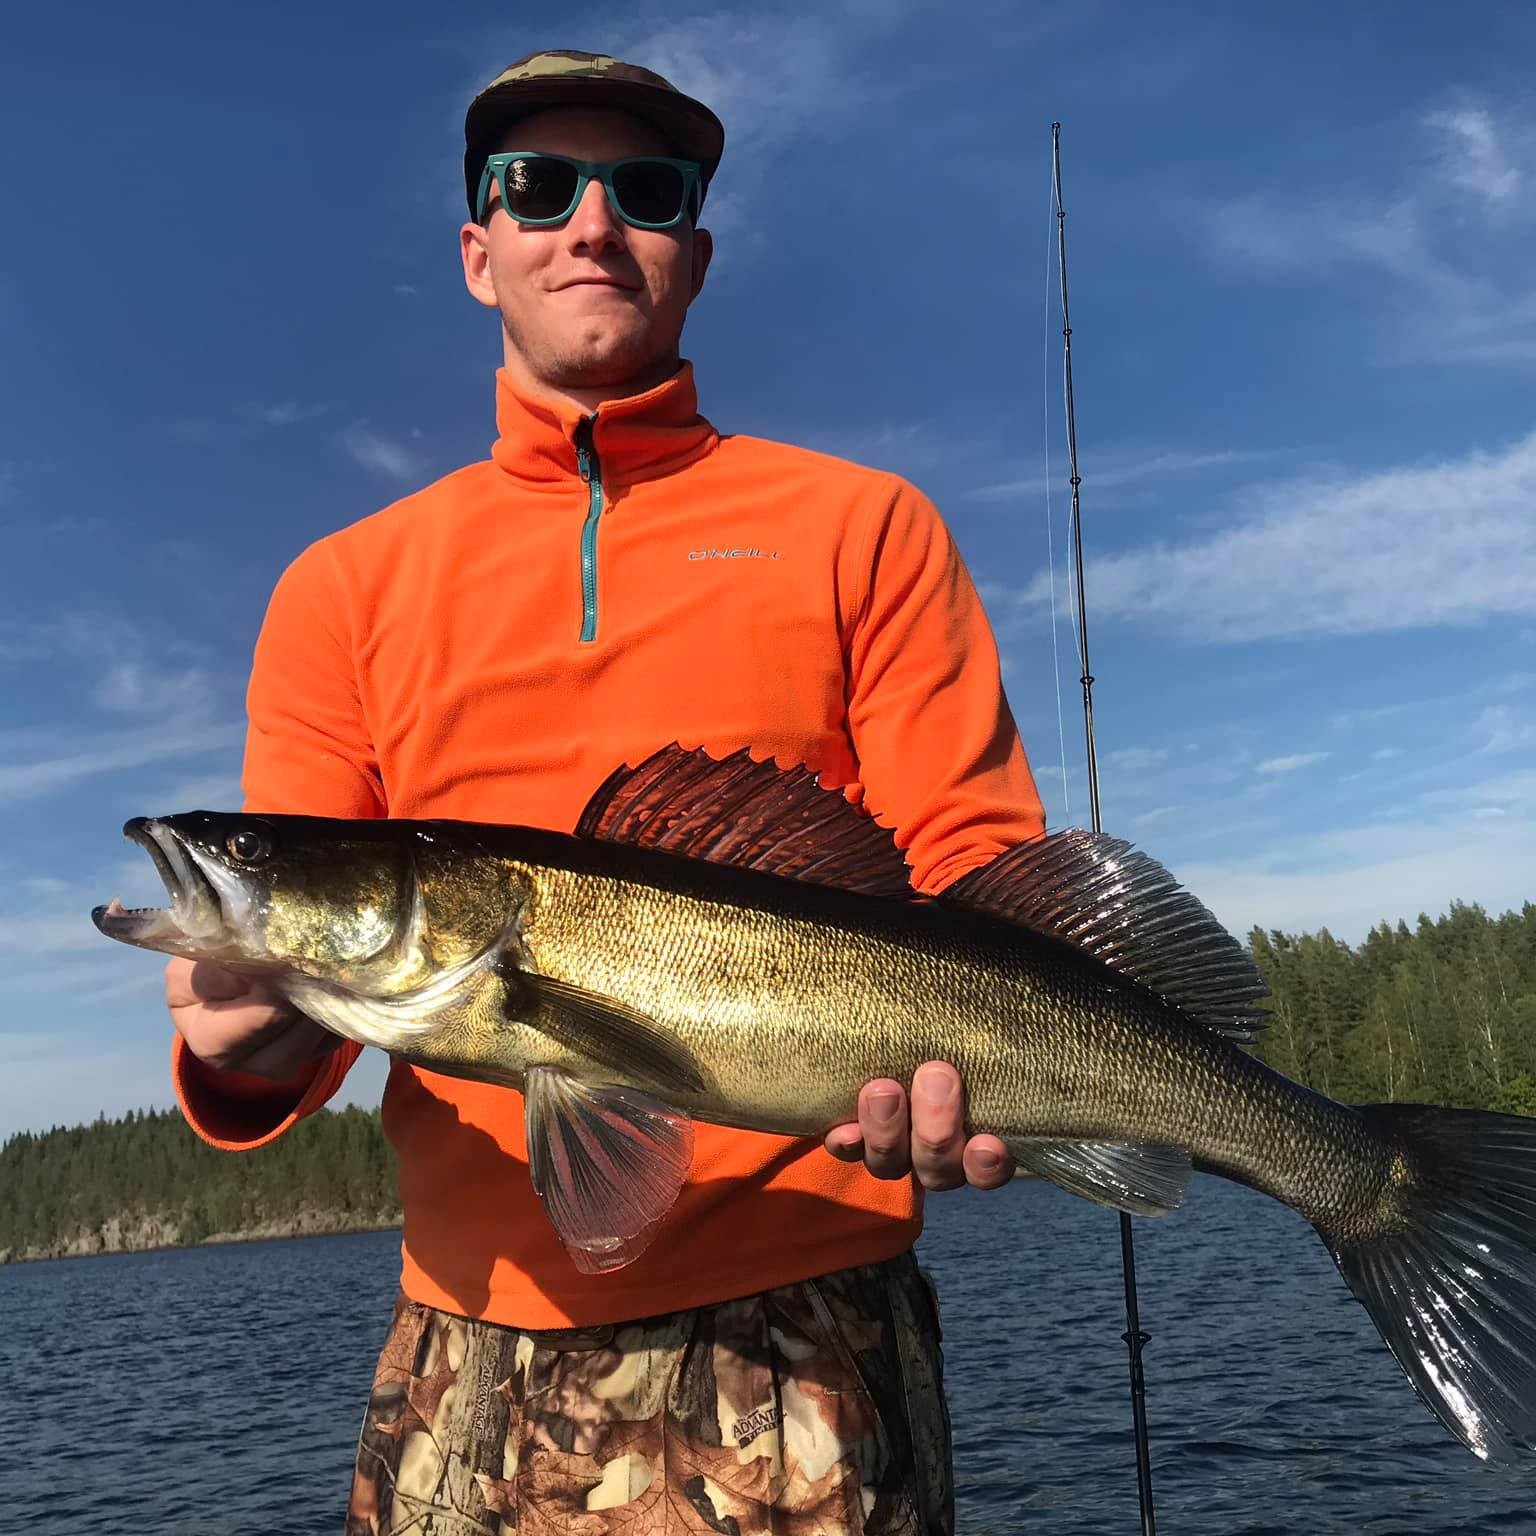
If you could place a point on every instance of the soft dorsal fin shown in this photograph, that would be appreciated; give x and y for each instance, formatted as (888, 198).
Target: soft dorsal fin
(753, 815)
(1123, 908)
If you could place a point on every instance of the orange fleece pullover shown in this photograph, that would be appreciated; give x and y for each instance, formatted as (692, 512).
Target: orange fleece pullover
(490, 648)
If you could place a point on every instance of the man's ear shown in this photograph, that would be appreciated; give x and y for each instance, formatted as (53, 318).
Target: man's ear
(703, 251)
(475, 251)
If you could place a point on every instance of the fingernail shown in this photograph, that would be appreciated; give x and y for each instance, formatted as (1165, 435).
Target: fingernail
(884, 1105)
(986, 1162)
(935, 1087)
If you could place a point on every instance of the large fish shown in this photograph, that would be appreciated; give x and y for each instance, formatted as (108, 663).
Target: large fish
(725, 941)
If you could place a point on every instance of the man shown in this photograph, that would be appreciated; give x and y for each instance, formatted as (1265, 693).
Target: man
(615, 578)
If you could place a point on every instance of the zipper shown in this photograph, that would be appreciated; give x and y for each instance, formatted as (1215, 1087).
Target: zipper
(590, 469)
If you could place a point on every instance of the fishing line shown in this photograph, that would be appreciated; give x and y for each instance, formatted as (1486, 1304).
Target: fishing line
(1050, 537)
(1073, 529)
(1135, 1338)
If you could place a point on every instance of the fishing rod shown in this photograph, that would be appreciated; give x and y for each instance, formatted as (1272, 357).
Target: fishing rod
(1135, 1338)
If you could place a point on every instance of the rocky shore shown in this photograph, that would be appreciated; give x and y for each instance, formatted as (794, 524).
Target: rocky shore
(141, 1234)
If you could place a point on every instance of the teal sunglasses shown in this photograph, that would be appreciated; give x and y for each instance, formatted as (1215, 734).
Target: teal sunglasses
(647, 191)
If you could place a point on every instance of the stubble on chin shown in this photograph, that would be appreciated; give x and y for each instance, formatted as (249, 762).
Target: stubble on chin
(596, 358)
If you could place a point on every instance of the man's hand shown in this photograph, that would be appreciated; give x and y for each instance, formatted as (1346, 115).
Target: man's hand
(930, 1142)
(237, 1022)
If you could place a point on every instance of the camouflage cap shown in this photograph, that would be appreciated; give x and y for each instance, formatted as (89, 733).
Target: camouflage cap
(564, 77)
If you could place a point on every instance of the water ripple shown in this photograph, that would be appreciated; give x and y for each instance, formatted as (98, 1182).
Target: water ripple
(217, 1392)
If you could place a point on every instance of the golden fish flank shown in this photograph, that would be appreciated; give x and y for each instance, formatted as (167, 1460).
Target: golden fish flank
(726, 942)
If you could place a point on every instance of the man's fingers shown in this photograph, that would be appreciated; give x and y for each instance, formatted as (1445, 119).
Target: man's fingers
(282, 1053)
(883, 1128)
(925, 1137)
(938, 1126)
(988, 1163)
(201, 981)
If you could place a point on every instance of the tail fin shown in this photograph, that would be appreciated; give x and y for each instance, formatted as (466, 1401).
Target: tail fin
(1453, 1287)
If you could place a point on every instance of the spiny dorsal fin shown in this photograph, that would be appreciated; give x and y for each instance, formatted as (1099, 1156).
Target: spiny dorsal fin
(753, 815)
(1123, 908)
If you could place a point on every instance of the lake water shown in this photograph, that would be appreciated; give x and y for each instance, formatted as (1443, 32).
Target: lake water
(217, 1392)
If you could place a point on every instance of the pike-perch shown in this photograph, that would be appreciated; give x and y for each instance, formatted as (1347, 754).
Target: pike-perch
(725, 941)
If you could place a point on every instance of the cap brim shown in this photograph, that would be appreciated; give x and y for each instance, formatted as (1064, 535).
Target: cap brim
(691, 130)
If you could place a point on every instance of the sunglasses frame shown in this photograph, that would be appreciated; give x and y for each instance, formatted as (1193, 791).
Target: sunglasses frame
(588, 171)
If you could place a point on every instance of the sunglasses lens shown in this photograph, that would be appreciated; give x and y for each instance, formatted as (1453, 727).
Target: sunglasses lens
(649, 191)
(538, 187)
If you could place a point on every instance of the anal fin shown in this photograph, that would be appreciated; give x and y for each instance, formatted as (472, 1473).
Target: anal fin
(607, 1161)
(1142, 1178)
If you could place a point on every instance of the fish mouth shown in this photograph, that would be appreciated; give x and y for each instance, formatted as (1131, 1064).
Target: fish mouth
(192, 922)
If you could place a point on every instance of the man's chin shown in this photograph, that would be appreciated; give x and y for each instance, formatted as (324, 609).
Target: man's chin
(612, 368)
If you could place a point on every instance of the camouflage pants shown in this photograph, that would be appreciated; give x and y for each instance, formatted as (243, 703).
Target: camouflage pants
(815, 1409)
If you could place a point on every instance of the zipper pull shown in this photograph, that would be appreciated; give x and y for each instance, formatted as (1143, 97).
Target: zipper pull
(583, 444)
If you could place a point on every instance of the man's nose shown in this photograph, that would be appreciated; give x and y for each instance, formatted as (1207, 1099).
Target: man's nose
(593, 223)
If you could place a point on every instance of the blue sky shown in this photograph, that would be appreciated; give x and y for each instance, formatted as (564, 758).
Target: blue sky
(1305, 348)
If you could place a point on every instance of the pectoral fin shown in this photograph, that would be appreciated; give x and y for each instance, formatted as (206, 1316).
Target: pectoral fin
(607, 1162)
(1144, 1179)
(608, 1031)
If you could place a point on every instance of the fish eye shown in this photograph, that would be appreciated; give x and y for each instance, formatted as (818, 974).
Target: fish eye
(247, 846)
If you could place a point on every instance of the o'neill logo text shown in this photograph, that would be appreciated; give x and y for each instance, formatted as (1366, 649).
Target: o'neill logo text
(751, 552)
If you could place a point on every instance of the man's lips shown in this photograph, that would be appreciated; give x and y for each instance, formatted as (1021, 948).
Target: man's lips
(597, 282)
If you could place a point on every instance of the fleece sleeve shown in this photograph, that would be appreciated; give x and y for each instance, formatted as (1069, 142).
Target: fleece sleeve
(939, 753)
(308, 751)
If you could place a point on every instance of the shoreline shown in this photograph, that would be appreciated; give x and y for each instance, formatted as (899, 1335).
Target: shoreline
(153, 1235)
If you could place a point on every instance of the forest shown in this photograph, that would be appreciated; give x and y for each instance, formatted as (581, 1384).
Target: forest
(1443, 1012)
(146, 1181)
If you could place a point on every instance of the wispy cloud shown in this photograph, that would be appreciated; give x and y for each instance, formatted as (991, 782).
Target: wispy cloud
(136, 688)
(384, 456)
(219, 791)
(1444, 544)
(1135, 759)
(25, 639)
(1290, 764)
(1115, 471)
(252, 419)
(1474, 157)
(1512, 791)
(1499, 728)
(913, 449)
(92, 755)
(137, 713)
(765, 76)
(1348, 881)
(775, 79)
(55, 934)
(1450, 229)
(292, 413)
(52, 917)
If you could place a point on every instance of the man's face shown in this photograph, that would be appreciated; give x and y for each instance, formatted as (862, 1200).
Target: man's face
(591, 303)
